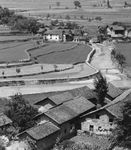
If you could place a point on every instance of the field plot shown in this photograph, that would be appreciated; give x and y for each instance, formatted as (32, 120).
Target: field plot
(64, 55)
(14, 38)
(11, 52)
(51, 47)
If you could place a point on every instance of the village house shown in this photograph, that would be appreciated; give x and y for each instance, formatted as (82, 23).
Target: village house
(66, 116)
(101, 121)
(58, 35)
(43, 135)
(52, 101)
(116, 31)
(45, 101)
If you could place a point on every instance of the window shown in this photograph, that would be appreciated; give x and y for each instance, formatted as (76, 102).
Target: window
(91, 128)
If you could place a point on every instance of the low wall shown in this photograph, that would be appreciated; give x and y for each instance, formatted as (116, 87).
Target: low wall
(46, 81)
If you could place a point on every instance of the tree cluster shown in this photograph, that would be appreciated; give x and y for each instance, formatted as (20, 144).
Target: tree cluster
(21, 113)
(18, 22)
(119, 59)
(122, 134)
(101, 89)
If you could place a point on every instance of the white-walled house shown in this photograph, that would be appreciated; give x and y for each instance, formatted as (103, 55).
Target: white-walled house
(116, 31)
(102, 121)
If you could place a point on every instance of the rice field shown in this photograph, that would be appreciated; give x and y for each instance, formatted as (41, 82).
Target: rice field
(69, 56)
(15, 51)
(15, 38)
(44, 4)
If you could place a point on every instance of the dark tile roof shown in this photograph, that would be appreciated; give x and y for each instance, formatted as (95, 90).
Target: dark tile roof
(82, 91)
(61, 98)
(79, 105)
(69, 110)
(4, 120)
(115, 107)
(61, 114)
(113, 91)
(42, 131)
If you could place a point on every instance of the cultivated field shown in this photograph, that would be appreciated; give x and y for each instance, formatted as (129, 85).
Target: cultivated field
(15, 38)
(10, 52)
(44, 4)
(63, 55)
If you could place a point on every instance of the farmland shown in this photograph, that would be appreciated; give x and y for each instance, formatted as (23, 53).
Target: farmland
(11, 52)
(15, 38)
(73, 55)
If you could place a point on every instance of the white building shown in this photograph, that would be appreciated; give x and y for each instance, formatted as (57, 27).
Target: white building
(116, 31)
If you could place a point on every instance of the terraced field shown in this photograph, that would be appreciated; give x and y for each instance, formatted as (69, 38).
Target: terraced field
(15, 51)
(14, 38)
(63, 55)
(44, 4)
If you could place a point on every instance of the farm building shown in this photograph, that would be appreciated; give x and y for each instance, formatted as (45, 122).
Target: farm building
(43, 135)
(66, 116)
(101, 121)
(116, 31)
(53, 101)
(58, 35)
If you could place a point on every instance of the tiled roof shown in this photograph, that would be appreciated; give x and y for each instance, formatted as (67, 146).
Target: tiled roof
(54, 32)
(69, 110)
(113, 91)
(116, 27)
(61, 114)
(42, 131)
(79, 105)
(82, 91)
(115, 106)
(61, 98)
(4, 120)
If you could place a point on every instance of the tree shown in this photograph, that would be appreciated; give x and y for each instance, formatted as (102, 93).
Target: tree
(101, 89)
(77, 4)
(122, 133)
(21, 113)
(121, 60)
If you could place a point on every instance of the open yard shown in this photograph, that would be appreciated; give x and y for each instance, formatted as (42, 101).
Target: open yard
(59, 53)
(10, 52)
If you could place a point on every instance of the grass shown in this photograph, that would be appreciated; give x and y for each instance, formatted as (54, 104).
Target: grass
(11, 52)
(125, 49)
(62, 54)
